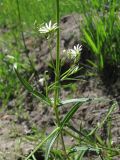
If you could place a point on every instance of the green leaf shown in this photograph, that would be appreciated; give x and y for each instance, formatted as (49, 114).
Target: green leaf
(81, 154)
(91, 43)
(49, 144)
(32, 90)
(82, 100)
(34, 157)
(69, 115)
(101, 61)
(54, 132)
(92, 63)
(74, 100)
(104, 119)
(85, 148)
(74, 69)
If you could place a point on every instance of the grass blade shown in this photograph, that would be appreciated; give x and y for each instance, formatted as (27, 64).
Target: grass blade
(91, 43)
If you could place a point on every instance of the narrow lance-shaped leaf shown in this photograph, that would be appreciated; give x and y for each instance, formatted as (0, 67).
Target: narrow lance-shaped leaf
(75, 100)
(70, 114)
(104, 120)
(54, 132)
(82, 100)
(32, 90)
(81, 155)
(34, 157)
(49, 144)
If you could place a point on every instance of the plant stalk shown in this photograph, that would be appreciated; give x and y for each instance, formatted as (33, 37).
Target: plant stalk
(23, 37)
(57, 77)
(57, 71)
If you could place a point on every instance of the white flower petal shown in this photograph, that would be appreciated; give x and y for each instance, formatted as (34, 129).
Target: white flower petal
(48, 28)
(75, 52)
(50, 24)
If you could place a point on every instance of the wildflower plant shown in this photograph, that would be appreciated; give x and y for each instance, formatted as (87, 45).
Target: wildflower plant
(55, 103)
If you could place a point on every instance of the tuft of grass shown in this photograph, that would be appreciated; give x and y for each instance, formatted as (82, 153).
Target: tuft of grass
(101, 31)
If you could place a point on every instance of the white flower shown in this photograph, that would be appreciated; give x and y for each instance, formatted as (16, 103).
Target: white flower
(48, 28)
(74, 53)
(78, 48)
(41, 81)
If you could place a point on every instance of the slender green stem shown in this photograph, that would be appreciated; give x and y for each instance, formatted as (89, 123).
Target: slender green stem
(57, 71)
(21, 26)
(23, 37)
(57, 77)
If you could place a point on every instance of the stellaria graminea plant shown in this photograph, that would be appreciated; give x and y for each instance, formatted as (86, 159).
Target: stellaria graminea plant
(56, 102)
